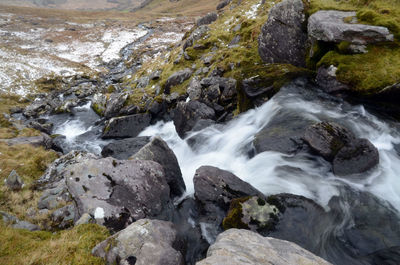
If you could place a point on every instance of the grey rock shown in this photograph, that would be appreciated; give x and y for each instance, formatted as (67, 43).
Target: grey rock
(35, 109)
(125, 148)
(25, 225)
(326, 78)
(256, 86)
(43, 127)
(115, 104)
(187, 114)
(145, 242)
(207, 19)
(176, 79)
(197, 34)
(64, 217)
(237, 27)
(234, 42)
(85, 219)
(194, 89)
(246, 247)
(155, 75)
(14, 181)
(42, 140)
(357, 157)
(143, 82)
(223, 4)
(98, 104)
(207, 60)
(330, 26)
(54, 196)
(227, 86)
(327, 138)
(158, 151)
(126, 126)
(283, 37)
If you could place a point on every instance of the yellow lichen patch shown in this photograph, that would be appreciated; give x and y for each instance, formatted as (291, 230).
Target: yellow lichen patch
(67, 247)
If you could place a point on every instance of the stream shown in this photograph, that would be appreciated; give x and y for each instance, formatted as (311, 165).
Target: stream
(346, 201)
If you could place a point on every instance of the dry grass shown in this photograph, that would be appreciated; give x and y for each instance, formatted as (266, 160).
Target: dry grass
(37, 248)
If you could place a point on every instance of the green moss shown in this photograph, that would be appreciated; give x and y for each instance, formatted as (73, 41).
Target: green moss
(66, 247)
(98, 109)
(235, 215)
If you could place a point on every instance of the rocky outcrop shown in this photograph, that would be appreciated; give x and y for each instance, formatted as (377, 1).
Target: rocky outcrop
(115, 104)
(158, 151)
(338, 145)
(283, 37)
(177, 79)
(331, 26)
(125, 148)
(207, 19)
(197, 34)
(146, 241)
(187, 114)
(246, 247)
(126, 126)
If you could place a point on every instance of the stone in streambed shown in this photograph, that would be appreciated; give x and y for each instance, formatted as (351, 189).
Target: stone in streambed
(126, 126)
(125, 148)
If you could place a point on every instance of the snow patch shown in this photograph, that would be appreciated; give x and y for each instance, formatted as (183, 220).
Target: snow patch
(252, 13)
(99, 213)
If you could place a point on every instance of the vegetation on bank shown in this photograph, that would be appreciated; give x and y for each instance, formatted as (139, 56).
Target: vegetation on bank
(370, 72)
(62, 248)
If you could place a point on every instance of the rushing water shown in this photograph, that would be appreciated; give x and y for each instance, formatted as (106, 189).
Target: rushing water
(229, 146)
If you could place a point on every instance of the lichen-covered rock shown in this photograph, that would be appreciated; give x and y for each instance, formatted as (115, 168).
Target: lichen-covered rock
(246, 247)
(124, 148)
(226, 87)
(327, 138)
(14, 181)
(207, 19)
(158, 151)
(177, 79)
(283, 37)
(115, 104)
(197, 34)
(145, 242)
(331, 26)
(98, 104)
(126, 126)
(194, 89)
(187, 114)
(357, 157)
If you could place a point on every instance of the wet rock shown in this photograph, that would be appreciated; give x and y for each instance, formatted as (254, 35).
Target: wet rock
(246, 247)
(126, 126)
(214, 189)
(197, 34)
(251, 213)
(227, 86)
(327, 138)
(282, 134)
(115, 104)
(14, 181)
(331, 26)
(326, 78)
(177, 79)
(98, 104)
(35, 109)
(207, 19)
(255, 86)
(187, 114)
(158, 151)
(43, 127)
(358, 156)
(223, 4)
(118, 192)
(283, 37)
(387, 256)
(125, 148)
(146, 241)
(390, 93)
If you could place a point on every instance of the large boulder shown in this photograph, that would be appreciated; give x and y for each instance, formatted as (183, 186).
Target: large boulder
(145, 242)
(332, 26)
(357, 157)
(283, 37)
(126, 126)
(246, 247)
(207, 19)
(158, 151)
(124, 148)
(187, 114)
(177, 78)
(327, 138)
(115, 104)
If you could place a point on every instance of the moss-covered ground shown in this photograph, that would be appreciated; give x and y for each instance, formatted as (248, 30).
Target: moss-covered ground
(45, 248)
(380, 67)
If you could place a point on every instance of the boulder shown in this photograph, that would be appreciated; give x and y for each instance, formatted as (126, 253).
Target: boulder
(194, 89)
(282, 134)
(14, 181)
(283, 37)
(35, 109)
(125, 148)
(64, 217)
(115, 104)
(126, 126)
(197, 34)
(158, 151)
(223, 4)
(14, 222)
(331, 26)
(357, 157)
(207, 19)
(327, 138)
(326, 79)
(246, 247)
(145, 242)
(42, 140)
(187, 114)
(43, 127)
(226, 86)
(98, 104)
(177, 78)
